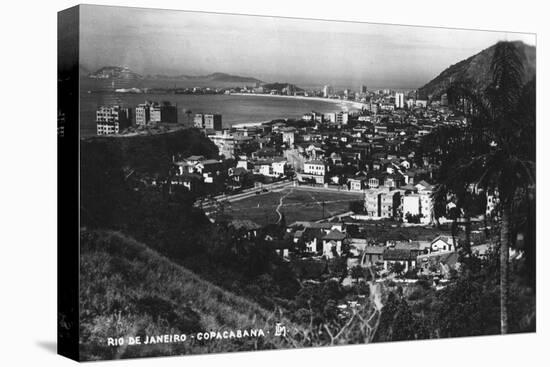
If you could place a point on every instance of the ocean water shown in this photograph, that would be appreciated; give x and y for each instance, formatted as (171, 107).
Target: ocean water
(234, 109)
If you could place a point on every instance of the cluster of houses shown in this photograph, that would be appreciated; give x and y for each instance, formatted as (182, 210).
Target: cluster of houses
(435, 256)
(373, 153)
(330, 240)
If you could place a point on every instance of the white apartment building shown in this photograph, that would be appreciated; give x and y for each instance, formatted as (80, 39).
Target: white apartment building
(225, 142)
(399, 100)
(342, 118)
(314, 168)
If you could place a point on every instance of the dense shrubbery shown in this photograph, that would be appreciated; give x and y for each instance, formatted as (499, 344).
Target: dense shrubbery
(468, 306)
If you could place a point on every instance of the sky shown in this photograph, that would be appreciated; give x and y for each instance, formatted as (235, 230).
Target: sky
(299, 51)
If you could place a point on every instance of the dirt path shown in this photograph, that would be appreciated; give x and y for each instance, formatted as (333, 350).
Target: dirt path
(278, 209)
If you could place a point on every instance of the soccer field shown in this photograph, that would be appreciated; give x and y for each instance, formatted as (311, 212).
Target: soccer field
(296, 203)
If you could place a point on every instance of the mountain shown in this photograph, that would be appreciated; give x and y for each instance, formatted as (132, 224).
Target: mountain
(114, 72)
(127, 289)
(280, 86)
(214, 77)
(476, 70)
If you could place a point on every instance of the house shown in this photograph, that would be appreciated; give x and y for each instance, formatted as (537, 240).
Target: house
(372, 255)
(237, 174)
(184, 167)
(336, 158)
(188, 180)
(373, 182)
(245, 164)
(313, 171)
(263, 167)
(278, 166)
(405, 164)
(442, 243)
(404, 257)
(357, 183)
(314, 151)
(437, 263)
(312, 239)
(281, 247)
(332, 243)
(288, 135)
(315, 167)
(245, 227)
(356, 246)
(209, 169)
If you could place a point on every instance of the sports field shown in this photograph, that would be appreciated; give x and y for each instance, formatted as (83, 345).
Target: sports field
(296, 203)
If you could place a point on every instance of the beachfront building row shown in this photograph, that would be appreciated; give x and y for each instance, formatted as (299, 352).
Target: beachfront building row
(112, 119)
(338, 118)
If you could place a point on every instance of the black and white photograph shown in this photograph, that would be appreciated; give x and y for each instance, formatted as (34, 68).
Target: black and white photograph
(245, 188)
(289, 183)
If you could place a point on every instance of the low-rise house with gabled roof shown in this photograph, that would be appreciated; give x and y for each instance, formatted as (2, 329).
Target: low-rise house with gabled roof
(332, 244)
(404, 257)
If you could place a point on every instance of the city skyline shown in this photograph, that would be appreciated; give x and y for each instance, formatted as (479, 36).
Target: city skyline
(336, 53)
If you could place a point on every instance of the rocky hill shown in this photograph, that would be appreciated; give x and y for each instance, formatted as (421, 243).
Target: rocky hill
(476, 70)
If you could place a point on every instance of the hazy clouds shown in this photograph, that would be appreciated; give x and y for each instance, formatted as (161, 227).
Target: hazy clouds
(305, 52)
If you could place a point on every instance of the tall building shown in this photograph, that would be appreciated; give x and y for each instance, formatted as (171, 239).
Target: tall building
(363, 89)
(154, 112)
(164, 112)
(289, 90)
(143, 115)
(342, 118)
(213, 121)
(327, 91)
(399, 100)
(198, 121)
(112, 119)
(382, 203)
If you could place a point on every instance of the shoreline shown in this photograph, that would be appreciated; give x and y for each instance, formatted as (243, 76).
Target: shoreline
(354, 104)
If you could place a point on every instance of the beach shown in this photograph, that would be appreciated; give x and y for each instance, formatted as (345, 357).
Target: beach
(353, 104)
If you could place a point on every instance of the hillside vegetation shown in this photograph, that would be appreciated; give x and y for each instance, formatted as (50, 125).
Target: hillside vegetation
(128, 289)
(146, 153)
(475, 71)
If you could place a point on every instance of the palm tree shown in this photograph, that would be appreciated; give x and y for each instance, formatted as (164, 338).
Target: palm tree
(495, 149)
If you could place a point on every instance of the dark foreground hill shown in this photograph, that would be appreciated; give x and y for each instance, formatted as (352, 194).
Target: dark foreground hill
(127, 289)
(475, 71)
(151, 154)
